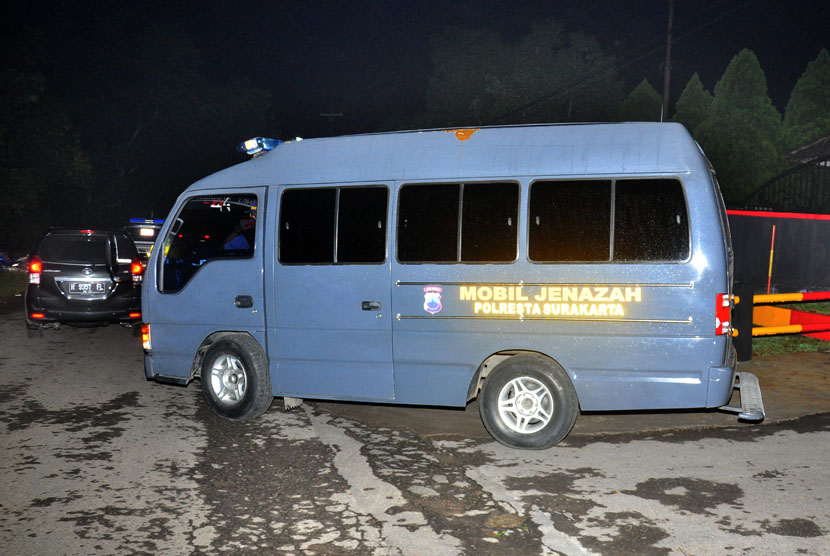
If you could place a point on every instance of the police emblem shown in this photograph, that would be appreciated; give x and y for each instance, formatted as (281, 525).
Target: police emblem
(432, 300)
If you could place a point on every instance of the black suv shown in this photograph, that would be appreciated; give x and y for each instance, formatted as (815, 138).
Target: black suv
(83, 277)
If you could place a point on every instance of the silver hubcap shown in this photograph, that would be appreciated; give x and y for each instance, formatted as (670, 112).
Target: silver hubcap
(525, 405)
(227, 379)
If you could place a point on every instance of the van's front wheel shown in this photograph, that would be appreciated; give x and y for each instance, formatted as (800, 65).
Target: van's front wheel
(235, 379)
(528, 402)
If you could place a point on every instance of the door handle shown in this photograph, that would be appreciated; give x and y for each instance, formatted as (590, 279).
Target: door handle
(244, 301)
(370, 305)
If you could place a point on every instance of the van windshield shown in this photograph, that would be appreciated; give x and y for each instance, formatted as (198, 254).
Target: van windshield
(208, 227)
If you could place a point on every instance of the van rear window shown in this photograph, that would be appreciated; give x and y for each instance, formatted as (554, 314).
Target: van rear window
(452, 222)
(650, 221)
(571, 221)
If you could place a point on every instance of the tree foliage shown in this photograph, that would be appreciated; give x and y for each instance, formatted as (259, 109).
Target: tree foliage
(162, 123)
(547, 76)
(807, 115)
(96, 130)
(742, 134)
(694, 104)
(44, 174)
(642, 105)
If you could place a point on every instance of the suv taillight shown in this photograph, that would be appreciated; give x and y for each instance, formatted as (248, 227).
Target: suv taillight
(35, 268)
(137, 271)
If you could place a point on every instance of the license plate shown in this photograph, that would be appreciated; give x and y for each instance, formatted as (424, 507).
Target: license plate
(87, 287)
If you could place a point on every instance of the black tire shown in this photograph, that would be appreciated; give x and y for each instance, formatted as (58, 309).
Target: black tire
(235, 379)
(549, 405)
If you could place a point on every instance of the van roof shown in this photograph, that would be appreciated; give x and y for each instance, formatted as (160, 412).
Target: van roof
(490, 152)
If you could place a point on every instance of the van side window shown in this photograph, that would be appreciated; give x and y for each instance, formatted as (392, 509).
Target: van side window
(650, 221)
(361, 225)
(570, 221)
(208, 227)
(307, 226)
(345, 225)
(430, 217)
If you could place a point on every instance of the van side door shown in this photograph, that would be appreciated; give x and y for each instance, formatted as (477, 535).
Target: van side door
(333, 318)
(209, 276)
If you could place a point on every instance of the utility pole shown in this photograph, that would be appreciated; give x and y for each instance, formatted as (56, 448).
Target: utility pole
(664, 113)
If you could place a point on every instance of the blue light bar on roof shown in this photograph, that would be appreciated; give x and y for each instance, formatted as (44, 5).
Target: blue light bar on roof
(146, 221)
(258, 145)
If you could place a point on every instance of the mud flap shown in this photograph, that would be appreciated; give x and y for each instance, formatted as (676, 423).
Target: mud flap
(752, 405)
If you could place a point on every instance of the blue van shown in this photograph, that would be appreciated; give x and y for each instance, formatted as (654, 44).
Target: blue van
(544, 269)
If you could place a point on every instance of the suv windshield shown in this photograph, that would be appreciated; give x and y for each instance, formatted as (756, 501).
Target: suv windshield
(76, 248)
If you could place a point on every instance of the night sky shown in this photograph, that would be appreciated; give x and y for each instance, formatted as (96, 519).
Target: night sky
(116, 106)
(367, 60)
(370, 60)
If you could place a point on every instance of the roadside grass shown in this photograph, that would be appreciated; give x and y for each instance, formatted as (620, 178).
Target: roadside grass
(12, 284)
(788, 343)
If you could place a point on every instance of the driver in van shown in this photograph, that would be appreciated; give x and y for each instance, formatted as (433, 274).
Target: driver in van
(241, 237)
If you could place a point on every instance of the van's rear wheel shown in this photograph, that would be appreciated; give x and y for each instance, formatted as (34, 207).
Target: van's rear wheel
(235, 379)
(528, 402)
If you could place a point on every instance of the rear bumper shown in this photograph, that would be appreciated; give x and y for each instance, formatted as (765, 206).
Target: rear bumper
(114, 309)
(89, 316)
(721, 381)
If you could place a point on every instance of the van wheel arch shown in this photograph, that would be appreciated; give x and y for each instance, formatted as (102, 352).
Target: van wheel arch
(199, 358)
(493, 360)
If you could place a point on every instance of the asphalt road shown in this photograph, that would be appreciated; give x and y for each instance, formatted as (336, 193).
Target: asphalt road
(97, 460)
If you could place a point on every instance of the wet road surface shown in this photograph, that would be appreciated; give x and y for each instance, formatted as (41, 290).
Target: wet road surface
(100, 461)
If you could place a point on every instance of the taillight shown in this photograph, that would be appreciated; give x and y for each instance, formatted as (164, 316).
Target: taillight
(35, 268)
(135, 315)
(145, 336)
(723, 314)
(137, 271)
(37, 316)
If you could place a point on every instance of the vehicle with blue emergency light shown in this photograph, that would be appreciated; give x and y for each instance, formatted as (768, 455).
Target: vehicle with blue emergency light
(144, 232)
(545, 270)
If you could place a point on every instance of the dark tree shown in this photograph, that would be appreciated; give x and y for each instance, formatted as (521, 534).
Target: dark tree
(742, 134)
(547, 76)
(45, 178)
(642, 105)
(694, 104)
(807, 116)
